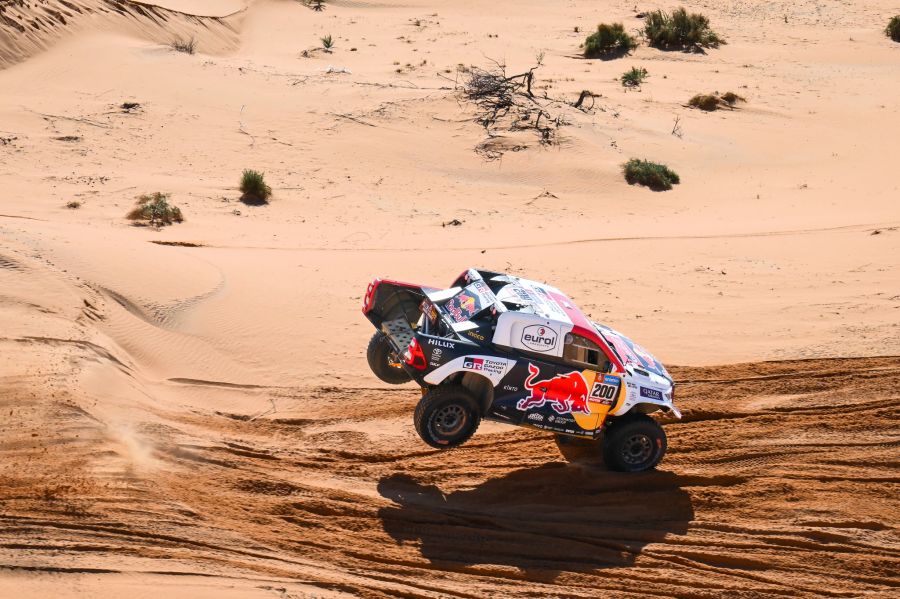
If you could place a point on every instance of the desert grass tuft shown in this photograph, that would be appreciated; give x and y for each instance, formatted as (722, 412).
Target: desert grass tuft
(156, 210)
(635, 77)
(73, 205)
(657, 177)
(893, 29)
(680, 30)
(253, 187)
(609, 41)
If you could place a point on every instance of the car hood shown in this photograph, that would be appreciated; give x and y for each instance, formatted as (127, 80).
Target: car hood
(630, 352)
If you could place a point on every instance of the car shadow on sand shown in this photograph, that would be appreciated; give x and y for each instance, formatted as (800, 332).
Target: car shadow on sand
(543, 521)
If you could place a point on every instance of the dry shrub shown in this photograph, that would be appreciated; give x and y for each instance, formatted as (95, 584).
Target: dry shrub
(715, 101)
(893, 29)
(155, 210)
(187, 46)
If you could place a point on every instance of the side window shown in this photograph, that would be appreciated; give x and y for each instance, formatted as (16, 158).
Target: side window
(583, 352)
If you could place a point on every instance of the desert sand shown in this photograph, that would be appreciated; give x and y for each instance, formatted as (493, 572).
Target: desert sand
(198, 419)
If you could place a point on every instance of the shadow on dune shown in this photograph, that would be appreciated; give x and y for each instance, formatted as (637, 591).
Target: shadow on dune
(556, 518)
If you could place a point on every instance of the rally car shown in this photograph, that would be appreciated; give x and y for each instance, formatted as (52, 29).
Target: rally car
(508, 349)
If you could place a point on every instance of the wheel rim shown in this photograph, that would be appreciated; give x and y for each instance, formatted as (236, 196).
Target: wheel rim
(637, 449)
(449, 420)
(393, 361)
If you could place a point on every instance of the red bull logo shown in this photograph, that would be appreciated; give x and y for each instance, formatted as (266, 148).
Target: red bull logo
(565, 392)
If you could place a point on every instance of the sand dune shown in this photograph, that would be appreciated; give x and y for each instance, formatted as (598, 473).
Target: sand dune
(188, 410)
(30, 26)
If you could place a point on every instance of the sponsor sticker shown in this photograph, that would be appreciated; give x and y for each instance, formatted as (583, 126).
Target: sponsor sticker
(436, 356)
(524, 294)
(651, 393)
(539, 338)
(536, 417)
(483, 365)
(441, 343)
(429, 310)
(604, 393)
(462, 306)
(510, 388)
(565, 393)
(475, 335)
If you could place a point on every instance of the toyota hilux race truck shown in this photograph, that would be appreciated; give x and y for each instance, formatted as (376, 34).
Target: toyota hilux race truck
(508, 349)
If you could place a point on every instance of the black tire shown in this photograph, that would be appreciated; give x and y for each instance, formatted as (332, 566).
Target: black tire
(633, 444)
(384, 362)
(447, 416)
(578, 450)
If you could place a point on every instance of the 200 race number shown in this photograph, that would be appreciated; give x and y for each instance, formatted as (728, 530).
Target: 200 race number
(603, 393)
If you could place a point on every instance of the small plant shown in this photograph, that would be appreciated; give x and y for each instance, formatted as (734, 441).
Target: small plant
(327, 43)
(680, 30)
(657, 177)
(156, 210)
(253, 187)
(73, 205)
(608, 41)
(714, 101)
(635, 77)
(893, 29)
(186, 46)
(316, 5)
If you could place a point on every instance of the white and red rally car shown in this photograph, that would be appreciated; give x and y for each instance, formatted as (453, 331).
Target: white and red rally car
(504, 348)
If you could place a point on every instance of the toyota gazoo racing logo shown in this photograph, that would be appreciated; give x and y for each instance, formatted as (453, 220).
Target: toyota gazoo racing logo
(484, 364)
(474, 364)
(564, 392)
(539, 338)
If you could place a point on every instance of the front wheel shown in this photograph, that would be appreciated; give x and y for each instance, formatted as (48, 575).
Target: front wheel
(633, 444)
(384, 362)
(446, 416)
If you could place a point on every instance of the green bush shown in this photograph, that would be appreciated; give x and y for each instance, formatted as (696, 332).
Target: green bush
(634, 77)
(253, 187)
(156, 210)
(327, 43)
(657, 177)
(893, 29)
(679, 30)
(608, 41)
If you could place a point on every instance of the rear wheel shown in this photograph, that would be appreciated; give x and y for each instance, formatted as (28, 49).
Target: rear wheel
(384, 362)
(633, 444)
(446, 416)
